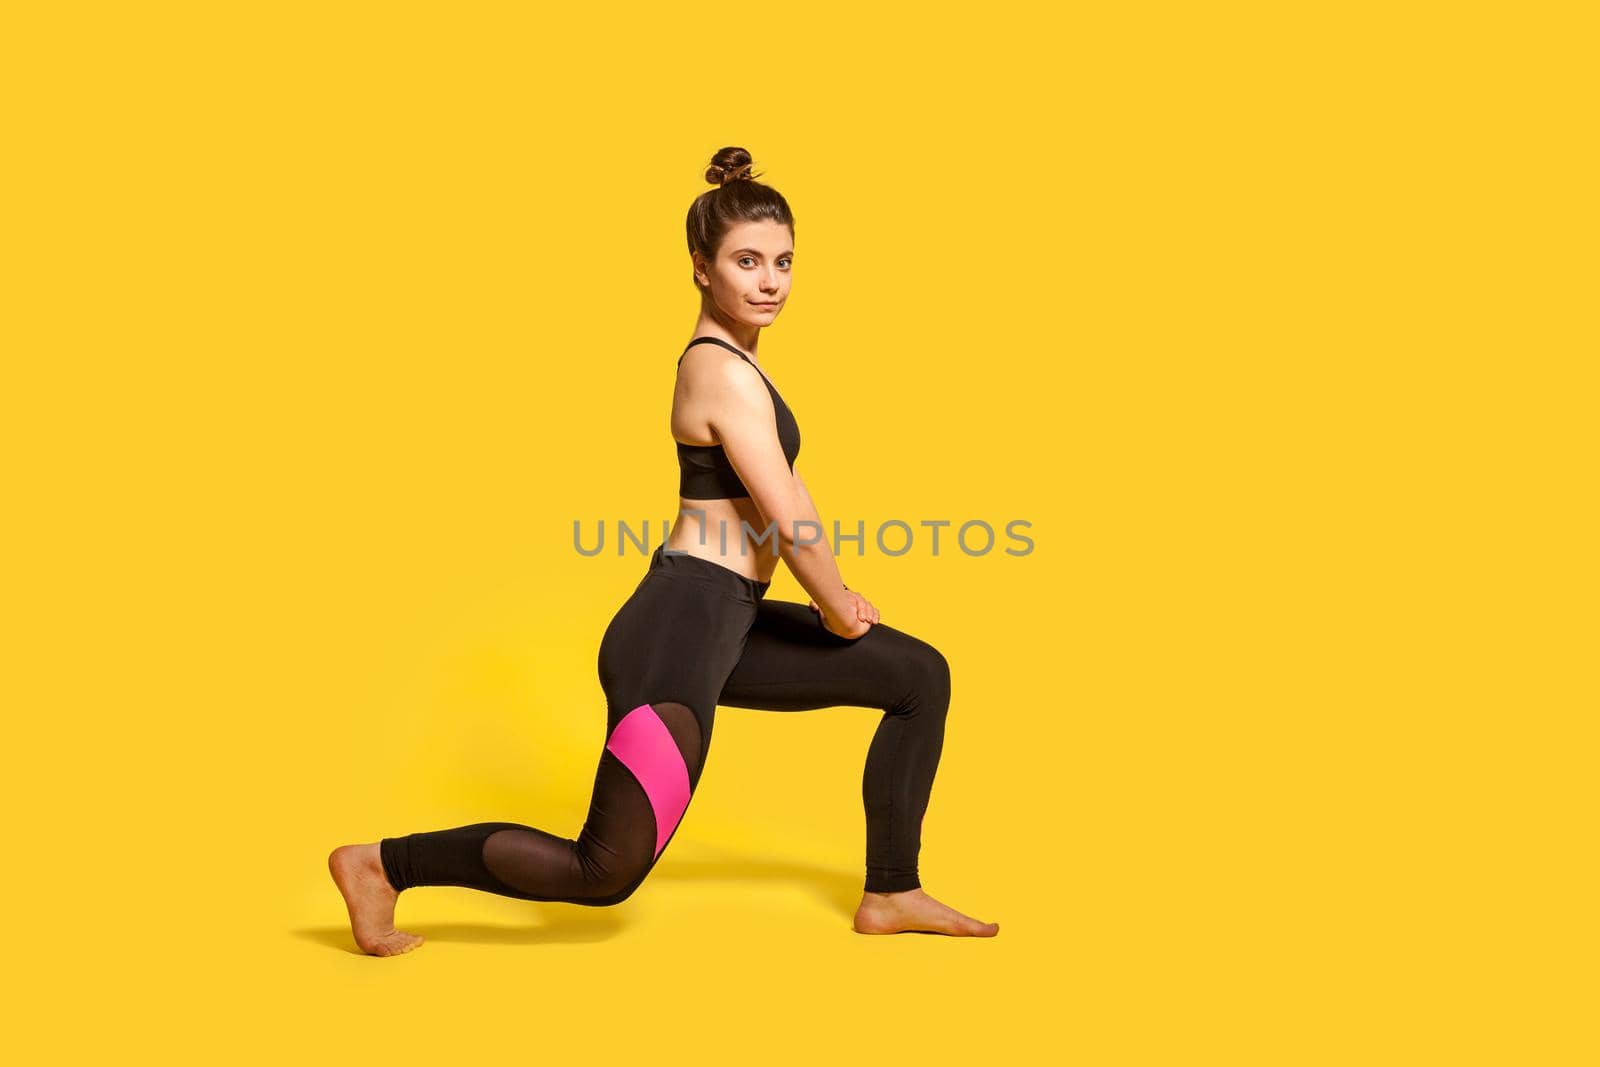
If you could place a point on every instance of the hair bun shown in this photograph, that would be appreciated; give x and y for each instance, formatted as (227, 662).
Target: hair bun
(730, 165)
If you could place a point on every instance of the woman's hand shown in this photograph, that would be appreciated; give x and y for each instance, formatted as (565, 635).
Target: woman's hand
(866, 616)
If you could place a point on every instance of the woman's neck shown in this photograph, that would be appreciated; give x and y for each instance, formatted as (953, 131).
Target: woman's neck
(738, 333)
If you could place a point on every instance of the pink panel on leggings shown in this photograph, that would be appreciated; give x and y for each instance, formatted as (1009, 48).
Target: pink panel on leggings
(645, 745)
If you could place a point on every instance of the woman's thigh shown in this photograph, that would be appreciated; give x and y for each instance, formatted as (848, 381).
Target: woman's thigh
(791, 663)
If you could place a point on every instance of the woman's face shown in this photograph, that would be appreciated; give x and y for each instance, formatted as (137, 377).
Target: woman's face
(749, 279)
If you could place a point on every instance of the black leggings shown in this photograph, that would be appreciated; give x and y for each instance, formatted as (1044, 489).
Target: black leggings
(693, 635)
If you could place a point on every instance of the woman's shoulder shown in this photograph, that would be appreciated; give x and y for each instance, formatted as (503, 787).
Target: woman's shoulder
(713, 364)
(707, 350)
(726, 384)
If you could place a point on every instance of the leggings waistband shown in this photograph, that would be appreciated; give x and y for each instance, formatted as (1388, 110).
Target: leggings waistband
(726, 580)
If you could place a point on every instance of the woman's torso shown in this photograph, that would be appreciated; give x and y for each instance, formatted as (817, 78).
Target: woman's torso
(729, 515)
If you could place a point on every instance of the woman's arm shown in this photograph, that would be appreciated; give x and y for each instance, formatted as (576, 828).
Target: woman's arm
(812, 517)
(744, 423)
(864, 609)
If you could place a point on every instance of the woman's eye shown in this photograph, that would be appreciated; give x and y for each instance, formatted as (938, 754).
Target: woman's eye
(743, 258)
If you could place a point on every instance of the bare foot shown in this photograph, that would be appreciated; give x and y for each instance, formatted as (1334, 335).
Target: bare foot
(893, 913)
(358, 872)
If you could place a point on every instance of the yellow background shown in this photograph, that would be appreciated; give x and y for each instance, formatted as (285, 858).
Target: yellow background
(322, 324)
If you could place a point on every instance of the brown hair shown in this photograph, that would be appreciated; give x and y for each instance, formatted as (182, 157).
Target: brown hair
(738, 197)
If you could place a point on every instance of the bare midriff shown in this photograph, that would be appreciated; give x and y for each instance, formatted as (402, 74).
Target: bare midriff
(731, 528)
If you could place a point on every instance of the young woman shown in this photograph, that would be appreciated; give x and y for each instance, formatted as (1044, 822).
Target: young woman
(698, 631)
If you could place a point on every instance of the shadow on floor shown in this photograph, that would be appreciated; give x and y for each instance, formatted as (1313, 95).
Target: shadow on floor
(580, 924)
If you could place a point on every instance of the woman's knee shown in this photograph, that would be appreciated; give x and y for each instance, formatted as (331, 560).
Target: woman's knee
(613, 882)
(936, 674)
(922, 674)
(606, 894)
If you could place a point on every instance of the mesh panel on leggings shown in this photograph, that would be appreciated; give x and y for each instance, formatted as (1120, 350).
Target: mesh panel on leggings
(616, 847)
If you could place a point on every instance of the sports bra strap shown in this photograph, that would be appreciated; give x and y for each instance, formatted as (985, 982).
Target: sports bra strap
(715, 341)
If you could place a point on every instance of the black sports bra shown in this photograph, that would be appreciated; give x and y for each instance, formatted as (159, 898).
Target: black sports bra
(704, 472)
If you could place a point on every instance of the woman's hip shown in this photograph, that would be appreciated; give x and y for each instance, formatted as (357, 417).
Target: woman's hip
(678, 636)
